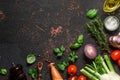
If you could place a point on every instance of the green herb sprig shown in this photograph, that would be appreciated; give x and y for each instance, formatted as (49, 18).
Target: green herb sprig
(59, 51)
(96, 28)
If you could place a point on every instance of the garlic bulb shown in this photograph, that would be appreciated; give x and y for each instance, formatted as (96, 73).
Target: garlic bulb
(115, 41)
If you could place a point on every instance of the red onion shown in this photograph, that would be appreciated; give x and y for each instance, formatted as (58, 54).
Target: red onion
(90, 51)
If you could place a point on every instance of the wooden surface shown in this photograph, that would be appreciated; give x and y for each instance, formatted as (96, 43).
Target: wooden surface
(38, 26)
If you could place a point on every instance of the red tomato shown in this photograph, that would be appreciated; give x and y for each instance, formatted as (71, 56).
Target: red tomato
(72, 69)
(73, 78)
(119, 62)
(82, 77)
(115, 55)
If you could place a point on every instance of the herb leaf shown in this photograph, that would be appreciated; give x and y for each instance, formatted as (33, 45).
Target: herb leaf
(80, 39)
(59, 51)
(32, 72)
(75, 46)
(62, 65)
(62, 48)
(56, 50)
(78, 44)
(72, 57)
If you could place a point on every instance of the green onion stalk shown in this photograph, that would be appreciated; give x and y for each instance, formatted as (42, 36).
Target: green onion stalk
(100, 69)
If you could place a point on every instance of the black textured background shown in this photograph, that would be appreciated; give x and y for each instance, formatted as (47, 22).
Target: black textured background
(27, 27)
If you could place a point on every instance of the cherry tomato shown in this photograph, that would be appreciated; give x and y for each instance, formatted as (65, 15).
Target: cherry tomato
(119, 62)
(73, 78)
(115, 55)
(72, 69)
(82, 77)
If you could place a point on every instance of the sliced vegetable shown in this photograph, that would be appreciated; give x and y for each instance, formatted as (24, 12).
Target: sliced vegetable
(82, 77)
(101, 69)
(54, 72)
(73, 78)
(92, 13)
(31, 58)
(115, 41)
(72, 57)
(115, 55)
(97, 30)
(59, 51)
(72, 69)
(3, 71)
(62, 65)
(111, 23)
(90, 51)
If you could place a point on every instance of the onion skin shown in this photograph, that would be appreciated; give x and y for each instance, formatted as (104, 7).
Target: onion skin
(54, 72)
(90, 51)
(115, 41)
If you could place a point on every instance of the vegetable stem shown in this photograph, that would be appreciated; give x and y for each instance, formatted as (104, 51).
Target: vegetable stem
(104, 65)
(93, 71)
(88, 74)
(110, 66)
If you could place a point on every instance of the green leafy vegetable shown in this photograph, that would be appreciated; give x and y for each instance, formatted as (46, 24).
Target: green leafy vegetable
(3, 71)
(62, 65)
(59, 51)
(31, 58)
(72, 57)
(78, 43)
(97, 30)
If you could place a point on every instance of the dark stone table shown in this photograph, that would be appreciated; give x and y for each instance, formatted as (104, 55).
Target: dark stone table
(38, 26)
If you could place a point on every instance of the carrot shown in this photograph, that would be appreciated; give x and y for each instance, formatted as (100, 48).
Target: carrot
(54, 72)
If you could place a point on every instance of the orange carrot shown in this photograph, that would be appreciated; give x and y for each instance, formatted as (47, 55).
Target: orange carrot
(54, 72)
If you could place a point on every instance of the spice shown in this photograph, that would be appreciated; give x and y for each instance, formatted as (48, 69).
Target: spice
(111, 23)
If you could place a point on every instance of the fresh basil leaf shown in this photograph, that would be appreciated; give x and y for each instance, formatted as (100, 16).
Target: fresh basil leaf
(62, 48)
(75, 46)
(61, 66)
(59, 54)
(56, 50)
(80, 39)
